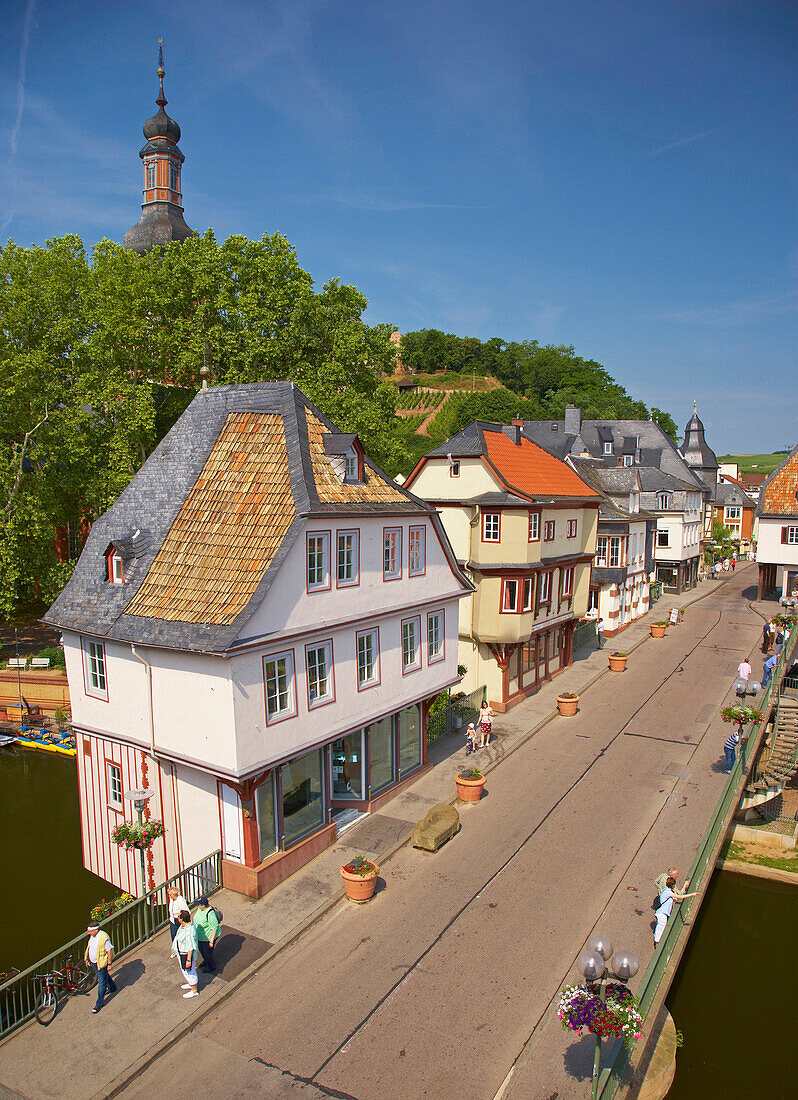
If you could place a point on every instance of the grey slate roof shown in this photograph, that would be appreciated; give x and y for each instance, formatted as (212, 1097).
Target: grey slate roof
(90, 604)
(733, 494)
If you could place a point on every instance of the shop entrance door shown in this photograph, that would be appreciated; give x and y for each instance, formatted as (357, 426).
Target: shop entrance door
(348, 769)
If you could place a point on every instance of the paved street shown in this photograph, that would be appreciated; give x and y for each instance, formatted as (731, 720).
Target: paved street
(437, 987)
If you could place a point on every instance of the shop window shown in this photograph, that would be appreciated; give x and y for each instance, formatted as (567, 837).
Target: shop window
(347, 559)
(381, 754)
(417, 553)
(347, 766)
(267, 826)
(409, 739)
(303, 796)
(278, 672)
(318, 561)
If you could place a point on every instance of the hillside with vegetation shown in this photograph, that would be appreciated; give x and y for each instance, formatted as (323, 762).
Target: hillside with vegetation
(756, 464)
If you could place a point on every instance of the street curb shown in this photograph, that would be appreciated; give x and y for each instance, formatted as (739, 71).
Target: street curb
(186, 1026)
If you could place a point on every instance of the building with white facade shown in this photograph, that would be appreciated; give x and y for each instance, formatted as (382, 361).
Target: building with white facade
(777, 539)
(255, 631)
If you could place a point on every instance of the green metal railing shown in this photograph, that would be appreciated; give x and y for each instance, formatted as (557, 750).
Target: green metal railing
(703, 864)
(584, 631)
(462, 707)
(127, 928)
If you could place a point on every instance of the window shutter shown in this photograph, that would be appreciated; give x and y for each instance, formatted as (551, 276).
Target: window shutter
(784, 531)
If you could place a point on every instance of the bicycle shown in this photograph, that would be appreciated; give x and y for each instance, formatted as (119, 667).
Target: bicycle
(72, 979)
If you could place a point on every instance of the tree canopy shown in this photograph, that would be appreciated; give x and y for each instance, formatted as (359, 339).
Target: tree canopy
(100, 354)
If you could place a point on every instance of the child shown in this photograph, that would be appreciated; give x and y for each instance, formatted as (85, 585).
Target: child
(471, 740)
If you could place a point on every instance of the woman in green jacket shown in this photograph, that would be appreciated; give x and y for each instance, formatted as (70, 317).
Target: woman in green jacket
(184, 945)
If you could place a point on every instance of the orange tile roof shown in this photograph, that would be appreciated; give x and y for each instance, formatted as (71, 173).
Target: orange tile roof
(228, 530)
(329, 487)
(779, 496)
(532, 470)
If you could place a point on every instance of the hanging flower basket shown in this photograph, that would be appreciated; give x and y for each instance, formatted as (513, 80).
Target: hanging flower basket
(619, 1017)
(132, 835)
(105, 908)
(360, 879)
(741, 715)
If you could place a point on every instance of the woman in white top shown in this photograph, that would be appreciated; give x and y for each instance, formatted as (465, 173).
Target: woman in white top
(485, 723)
(177, 905)
(666, 900)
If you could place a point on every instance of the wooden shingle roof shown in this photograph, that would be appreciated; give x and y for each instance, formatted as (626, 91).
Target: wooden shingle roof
(330, 489)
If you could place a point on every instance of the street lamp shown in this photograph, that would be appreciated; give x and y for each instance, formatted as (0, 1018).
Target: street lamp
(592, 964)
(139, 797)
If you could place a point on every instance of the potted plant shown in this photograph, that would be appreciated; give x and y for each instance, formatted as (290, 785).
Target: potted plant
(619, 1015)
(618, 661)
(658, 629)
(105, 909)
(469, 785)
(360, 879)
(132, 835)
(568, 703)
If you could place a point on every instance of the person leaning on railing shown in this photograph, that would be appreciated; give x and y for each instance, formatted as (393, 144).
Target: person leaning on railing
(666, 900)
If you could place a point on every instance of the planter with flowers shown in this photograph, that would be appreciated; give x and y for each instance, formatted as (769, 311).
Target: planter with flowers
(568, 703)
(469, 785)
(360, 879)
(617, 1017)
(658, 629)
(106, 909)
(618, 661)
(132, 835)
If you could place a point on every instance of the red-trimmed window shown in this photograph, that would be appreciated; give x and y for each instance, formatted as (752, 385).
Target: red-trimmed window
(436, 641)
(571, 527)
(491, 526)
(114, 773)
(318, 574)
(544, 599)
(789, 536)
(411, 644)
(417, 554)
(94, 675)
(534, 526)
(319, 671)
(528, 593)
(391, 553)
(510, 589)
(347, 559)
(278, 675)
(368, 658)
(567, 583)
(114, 566)
(548, 530)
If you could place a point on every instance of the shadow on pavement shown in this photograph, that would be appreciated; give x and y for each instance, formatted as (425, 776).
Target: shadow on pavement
(236, 951)
(128, 973)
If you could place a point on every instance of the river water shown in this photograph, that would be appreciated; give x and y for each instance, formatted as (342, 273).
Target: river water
(47, 893)
(734, 997)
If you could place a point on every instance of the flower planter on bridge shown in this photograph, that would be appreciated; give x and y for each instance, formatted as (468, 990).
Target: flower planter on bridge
(618, 662)
(568, 704)
(658, 630)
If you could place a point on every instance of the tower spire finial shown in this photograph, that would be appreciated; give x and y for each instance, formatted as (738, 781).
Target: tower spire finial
(161, 100)
(695, 408)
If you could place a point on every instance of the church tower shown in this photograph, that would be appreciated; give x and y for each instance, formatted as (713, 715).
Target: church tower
(697, 454)
(161, 218)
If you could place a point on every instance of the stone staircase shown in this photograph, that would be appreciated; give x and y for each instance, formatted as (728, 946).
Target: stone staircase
(776, 767)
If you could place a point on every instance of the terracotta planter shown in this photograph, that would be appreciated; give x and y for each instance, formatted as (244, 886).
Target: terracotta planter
(618, 664)
(359, 888)
(567, 707)
(657, 631)
(469, 790)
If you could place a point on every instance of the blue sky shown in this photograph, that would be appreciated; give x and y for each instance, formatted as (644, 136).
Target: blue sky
(620, 176)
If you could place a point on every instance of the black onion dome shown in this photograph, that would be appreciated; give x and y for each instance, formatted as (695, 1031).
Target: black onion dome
(161, 125)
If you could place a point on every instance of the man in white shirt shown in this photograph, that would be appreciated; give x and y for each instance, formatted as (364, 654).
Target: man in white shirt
(177, 904)
(744, 670)
(99, 953)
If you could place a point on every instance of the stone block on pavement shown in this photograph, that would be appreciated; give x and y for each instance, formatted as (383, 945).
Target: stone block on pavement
(440, 825)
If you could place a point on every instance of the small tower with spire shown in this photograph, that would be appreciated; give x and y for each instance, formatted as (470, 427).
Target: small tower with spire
(161, 218)
(698, 455)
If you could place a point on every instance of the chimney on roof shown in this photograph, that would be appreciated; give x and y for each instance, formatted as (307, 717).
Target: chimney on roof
(518, 423)
(573, 420)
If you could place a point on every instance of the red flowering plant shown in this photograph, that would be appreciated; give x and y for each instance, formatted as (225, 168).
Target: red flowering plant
(741, 715)
(129, 835)
(105, 908)
(619, 1016)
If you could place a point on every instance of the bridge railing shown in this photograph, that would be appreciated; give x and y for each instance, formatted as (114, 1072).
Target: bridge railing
(127, 928)
(456, 715)
(700, 871)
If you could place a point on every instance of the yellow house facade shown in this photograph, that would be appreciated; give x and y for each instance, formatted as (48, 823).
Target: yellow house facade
(523, 525)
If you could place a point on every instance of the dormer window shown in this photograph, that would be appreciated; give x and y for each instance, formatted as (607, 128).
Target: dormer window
(634, 502)
(115, 572)
(664, 502)
(628, 460)
(352, 472)
(608, 448)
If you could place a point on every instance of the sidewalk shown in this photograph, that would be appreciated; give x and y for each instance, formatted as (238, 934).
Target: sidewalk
(97, 1055)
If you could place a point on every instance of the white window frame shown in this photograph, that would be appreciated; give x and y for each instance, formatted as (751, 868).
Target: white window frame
(417, 557)
(436, 630)
(391, 553)
(115, 787)
(571, 528)
(290, 708)
(567, 583)
(411, 636)
(528, 593)
(549, 530)
(370, 637)
(351, 466)
(491, 526)
(454, 468)
(792, 536)
(602, 546)
(664, 502)
(509, 589)
(628, 460)
(95, 669)
(312, 667)
(534, 527)
(354, 552)
(322, 538)
(614, 552)
(607, 448)
(544, 600)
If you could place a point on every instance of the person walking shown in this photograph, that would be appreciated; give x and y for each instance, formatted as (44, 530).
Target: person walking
(599, 633)
(486, 716)
(207, 925)
(177, 904)
(712, 571)
(734, 562)
(666, 900)
(766, 637)
(99, 953)
(730, 748)
(185, 946)
(743, 672)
